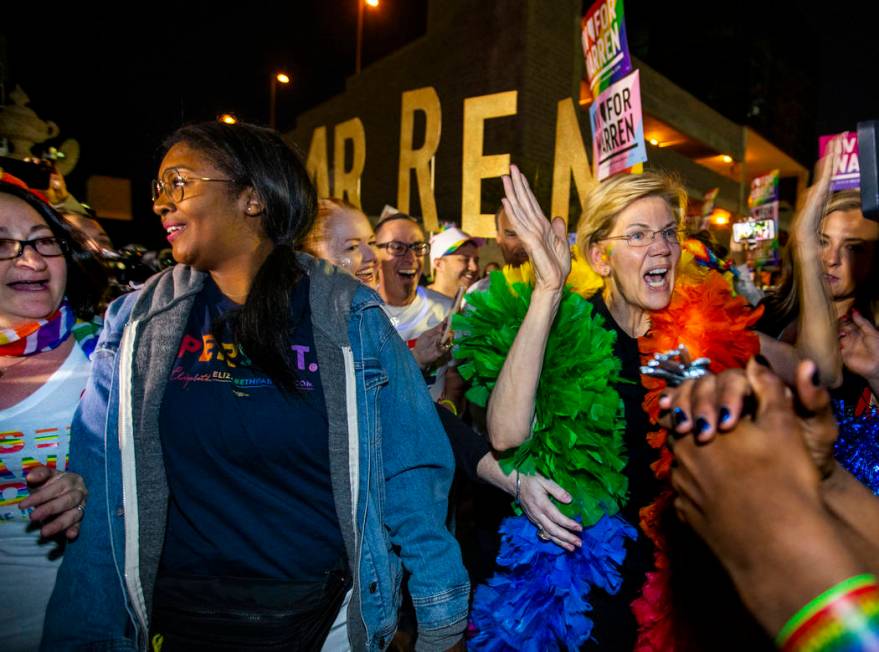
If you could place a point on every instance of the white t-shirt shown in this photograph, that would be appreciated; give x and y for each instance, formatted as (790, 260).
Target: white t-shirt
(34, 431)
(427, 310)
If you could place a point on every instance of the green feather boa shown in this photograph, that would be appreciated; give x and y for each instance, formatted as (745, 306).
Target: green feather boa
(577, 435)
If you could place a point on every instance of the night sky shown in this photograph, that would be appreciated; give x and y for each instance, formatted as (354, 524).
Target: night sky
(119, 85)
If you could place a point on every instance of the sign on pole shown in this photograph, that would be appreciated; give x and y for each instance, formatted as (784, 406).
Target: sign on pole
(617, 128)
(604, 44)
(847, 174)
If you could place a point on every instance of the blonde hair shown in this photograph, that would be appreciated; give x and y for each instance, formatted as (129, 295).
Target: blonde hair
(844, 200)
(318, 231)
(609, 198)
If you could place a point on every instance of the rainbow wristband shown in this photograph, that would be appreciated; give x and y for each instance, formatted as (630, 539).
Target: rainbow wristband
(845, 617)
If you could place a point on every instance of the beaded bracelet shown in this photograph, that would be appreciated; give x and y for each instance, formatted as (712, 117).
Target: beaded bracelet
(844, 617)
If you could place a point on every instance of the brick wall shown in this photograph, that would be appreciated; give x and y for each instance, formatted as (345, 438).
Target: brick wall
(470, 49)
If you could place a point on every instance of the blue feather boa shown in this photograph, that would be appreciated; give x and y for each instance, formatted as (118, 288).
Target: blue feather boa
(538, 599)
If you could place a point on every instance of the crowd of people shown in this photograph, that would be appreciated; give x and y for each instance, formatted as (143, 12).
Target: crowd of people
(291, 439)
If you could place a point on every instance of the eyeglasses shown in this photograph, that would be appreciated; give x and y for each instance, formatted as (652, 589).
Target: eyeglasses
(48, 247)
(397, 248)
(173, 183)
(670, 235)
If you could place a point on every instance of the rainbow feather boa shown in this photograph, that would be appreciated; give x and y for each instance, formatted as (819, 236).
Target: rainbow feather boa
(539, 598)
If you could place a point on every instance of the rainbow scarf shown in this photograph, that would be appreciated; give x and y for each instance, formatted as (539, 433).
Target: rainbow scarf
(40, 335)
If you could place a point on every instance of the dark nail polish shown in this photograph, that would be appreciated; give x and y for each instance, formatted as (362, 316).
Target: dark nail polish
(761, 359)
(679, 416)
(700, 427)
(816, 377)
(724, 415)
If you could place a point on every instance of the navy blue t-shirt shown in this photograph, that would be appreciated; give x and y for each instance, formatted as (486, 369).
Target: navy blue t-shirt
(247, 464)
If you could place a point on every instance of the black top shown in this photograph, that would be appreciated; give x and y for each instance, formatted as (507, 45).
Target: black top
(615, 626)
(247, 463)
(703, 597)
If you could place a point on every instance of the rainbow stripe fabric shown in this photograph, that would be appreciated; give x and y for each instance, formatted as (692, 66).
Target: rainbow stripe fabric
(844, 618)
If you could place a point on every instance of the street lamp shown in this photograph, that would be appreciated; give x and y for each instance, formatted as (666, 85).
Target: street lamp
(278, 78)
(372, 4)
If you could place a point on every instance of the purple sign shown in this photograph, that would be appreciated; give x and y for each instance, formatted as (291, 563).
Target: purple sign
(847, 174)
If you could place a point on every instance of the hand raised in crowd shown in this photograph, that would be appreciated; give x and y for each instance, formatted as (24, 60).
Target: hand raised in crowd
(859, 341)
(430, 349)
(807, 220)
(546, 243)
(534, 497)
(59, 501)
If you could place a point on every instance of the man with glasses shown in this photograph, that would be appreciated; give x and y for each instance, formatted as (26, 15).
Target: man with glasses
(415, 311)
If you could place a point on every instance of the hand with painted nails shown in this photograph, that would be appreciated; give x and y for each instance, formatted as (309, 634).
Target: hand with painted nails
(58, 501)
(546, 243)
(716, 404)
(535, 492)
(755, 496)
(815, 412)
(707, 405)
(755, 448)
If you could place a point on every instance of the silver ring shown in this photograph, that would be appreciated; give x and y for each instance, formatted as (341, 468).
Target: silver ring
(81, 507)
(542, 535)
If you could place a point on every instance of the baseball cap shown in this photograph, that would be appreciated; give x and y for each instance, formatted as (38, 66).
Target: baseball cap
(448, 242)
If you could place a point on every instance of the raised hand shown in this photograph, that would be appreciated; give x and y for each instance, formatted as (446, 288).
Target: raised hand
(807, 220)
(859, 341)
(546, 243)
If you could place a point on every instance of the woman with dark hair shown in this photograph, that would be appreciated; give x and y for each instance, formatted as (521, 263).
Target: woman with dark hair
(257, 435)
(50, 287)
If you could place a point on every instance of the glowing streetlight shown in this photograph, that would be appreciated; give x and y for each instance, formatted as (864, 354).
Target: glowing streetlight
(227, 118)
(373, 4)
(277, 78)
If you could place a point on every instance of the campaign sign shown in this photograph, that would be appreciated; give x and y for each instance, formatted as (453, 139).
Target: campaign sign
(756, 230)
(708, 202)
(764, 189)
(617, 128)
(847, 174)
(604, 44)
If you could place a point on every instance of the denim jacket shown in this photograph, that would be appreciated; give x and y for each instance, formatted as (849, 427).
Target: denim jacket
(390, 466)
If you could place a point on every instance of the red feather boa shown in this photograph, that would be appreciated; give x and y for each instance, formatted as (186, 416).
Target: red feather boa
(705, 317)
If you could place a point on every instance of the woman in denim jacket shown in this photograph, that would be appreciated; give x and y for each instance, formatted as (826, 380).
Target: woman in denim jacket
(202, 535)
